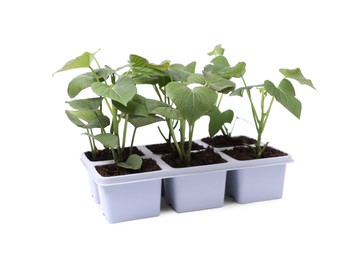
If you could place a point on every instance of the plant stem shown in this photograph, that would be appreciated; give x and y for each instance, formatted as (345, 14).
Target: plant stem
(157, 92)
(124, 131)
(174, 138)
(91, 144)
(220, 100)
(190, 136)
(255, 116)
(132, 141)
(182, 135)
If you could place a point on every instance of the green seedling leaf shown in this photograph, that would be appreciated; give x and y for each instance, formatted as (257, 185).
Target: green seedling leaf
(108, 140)
(162, 109)
(123, 90)
(285, 95)
(240, 91)
(87, 119)
(80, 83)
(196, 78)
(135, 107)
(218, 119)
(219, 63)
(100, 122)
(191, 67)
(82, 61)
(218, 50)
(179, 72)
(141, 65)
(191, 103)
(218, 83)
(137, 61)
(237, 71)
(133, 162)
(85, 80)
(86, 104)
(297, 75)
(140, 121)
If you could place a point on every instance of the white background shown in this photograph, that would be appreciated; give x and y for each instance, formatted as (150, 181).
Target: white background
(46, 211)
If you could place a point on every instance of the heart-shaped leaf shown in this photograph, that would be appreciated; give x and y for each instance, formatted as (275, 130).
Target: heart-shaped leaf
(108, 140)
(133, 162)
(141, 65)
(85, 80)
(179, 72)
(218, 83)
(218, 50)
(87, 119)
(297, 75)
(218, 119)
(162, 109)
(196, 78)
(123, 90)
(135, 107)
(86, 104)
(82, 61)
(285, 95)
(237, 71)
(192, 103)
(140, 121)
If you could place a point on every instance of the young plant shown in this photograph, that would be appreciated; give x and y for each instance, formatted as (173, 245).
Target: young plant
(124, 105)
(191, 105)
(218, 76)
(284, 93)
(159, 75)
(88, 112)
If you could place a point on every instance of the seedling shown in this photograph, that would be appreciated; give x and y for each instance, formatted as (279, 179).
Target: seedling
(284, 93)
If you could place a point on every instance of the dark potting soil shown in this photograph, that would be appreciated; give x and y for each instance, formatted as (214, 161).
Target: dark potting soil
(103, 155)
(111, 170)
(165, 148)
(207, 156)
(225, 141)
(245, 153)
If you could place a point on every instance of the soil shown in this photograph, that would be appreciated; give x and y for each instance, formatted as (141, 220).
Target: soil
(226, 141)
(103, 155)
(164, 148)
(205, 157)
(111, 170)
(245, 153)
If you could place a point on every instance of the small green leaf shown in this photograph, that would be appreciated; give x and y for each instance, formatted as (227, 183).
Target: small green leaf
(218, 83)
(240, 91)
(140, 121)
(86, 104)
(218, 119)
(191, 103)
(218, 50)
(123, 90)
(179, 72)
(219, 63)
(85, 80)
(108, 140)
(135, 107)
(87, 119)
(196, 78)
(191, 67)
(82, 61)
(137, 61)
(133, 162)
(80, 83)
(162, 109)
(297, 75)
(285, 95)
(237, 71)
(100, 122)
